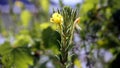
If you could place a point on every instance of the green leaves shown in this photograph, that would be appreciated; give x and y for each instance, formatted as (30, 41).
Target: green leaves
(88, 5)
(18, 57)
(21, 58)
(91, 1)
(115, 4)
(25, 39)
(69, 16)
(50, 37)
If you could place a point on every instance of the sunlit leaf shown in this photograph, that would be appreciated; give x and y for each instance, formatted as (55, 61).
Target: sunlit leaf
(15, 57)
(44, 5)
(25, 17)
(22, 40)
(77, 63)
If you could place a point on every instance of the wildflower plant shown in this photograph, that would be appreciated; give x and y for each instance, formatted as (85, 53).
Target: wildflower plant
(66, 20)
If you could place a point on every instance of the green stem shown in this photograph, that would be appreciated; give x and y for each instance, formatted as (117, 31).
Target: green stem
(64, 66)
(64, 54)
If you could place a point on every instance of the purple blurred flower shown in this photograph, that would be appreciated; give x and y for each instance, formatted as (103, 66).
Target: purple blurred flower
(31, 8)
(5, 8)
(16, 9)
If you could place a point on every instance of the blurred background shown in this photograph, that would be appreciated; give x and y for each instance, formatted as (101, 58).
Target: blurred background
(29, 40)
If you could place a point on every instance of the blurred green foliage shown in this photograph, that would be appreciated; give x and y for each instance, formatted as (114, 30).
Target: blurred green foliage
(100, 24)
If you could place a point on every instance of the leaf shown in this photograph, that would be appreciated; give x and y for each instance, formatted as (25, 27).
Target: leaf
(25, 17)
(50, 37)
(44, 25)
(15, 57)
(44, 5)
(22, 40)
(88, 5)
(77, 63)
(5, 48)
(21, 58)
(92, 1)
(116, 4)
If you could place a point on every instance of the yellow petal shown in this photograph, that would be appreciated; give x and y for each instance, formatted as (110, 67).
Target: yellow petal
(56, 18)
(51, 20)
(55, 15)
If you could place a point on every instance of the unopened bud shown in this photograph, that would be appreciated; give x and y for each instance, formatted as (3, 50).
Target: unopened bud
(77, 20)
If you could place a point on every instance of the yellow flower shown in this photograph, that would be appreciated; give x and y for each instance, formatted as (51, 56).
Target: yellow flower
(56, 18)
